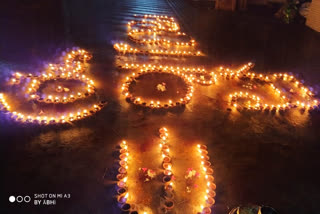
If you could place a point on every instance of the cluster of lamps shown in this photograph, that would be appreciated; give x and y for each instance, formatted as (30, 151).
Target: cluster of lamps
(207, 171)
(204, 164)
(156, 104)
(73, 63)
(166, 164)
(155, 27)
(122, 176)
(125, 48)
(229, 73)
(48, 119)
(71, 68)
(189, 74)
(305, 102)
(165, 153)
(192, 73)
(36, 82)
(202, 76)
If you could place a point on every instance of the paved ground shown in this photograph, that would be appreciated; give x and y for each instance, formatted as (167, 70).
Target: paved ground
(261, 159)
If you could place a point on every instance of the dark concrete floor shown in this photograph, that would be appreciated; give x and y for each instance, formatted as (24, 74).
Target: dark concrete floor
(271, 160)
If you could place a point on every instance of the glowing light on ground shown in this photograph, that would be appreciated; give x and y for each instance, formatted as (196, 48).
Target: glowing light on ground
(156, 103)
(297, 96)
(164, 37)
(72, 68)
(132, 188)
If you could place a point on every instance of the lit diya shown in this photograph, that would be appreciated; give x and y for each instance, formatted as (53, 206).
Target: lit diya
(167, 166)
(206, 163)
(123, 151)
(205, 157)
(203, 147)
(206, 210)
(122, 183)
(122, 170)
(169, 204)
(121, 176)
(210, 201)
(123, 156)
(163, 130)
(211, 193)
(209, 178)
(59, 88)
(166, 179)
(121, 191)
(166, 159)
(123, 163)
(211, 185)
(209, 171)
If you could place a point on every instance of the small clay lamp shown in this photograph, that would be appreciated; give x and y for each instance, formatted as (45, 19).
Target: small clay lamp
(122, 170)
(125, 207)
(169, 204)
(166, 179)
(166, 159)
(210, 201)
(121, 191)
(206, 210)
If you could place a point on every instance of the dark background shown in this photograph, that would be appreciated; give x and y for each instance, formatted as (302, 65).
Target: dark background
(271, 160)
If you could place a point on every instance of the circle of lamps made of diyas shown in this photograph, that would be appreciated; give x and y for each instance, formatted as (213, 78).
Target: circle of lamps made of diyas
(71, 68)
(156, 103)
(36, 82)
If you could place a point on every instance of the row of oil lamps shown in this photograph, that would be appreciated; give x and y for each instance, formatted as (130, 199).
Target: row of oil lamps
(122, 176)
(258, 105)
(195, 74)
(126, 48)
(153, 16)
(157, 104)
(54, 72)
(165, 154)
(221, 70)
(157, 41)
(167, 169)
(157, 26)
(207, 171)
(48, 119)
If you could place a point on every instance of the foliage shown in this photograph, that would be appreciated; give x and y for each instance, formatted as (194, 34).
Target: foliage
(288, 11)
